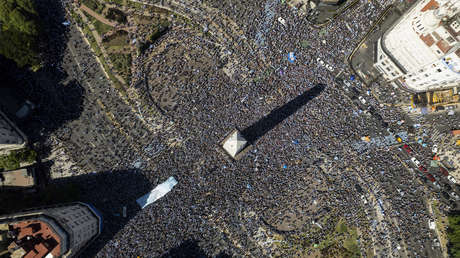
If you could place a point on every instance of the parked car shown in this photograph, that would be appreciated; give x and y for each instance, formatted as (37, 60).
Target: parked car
(407, 148)
(454, 195)
(415, 161)
(445, 194)
(435, 149)
(443, 171)
(330, 68)
(452, 179)
(430, 177)
(320, 61)
(423, 169)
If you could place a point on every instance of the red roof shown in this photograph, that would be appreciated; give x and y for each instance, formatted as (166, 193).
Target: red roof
(428, 39)
(443, 45)
(39, 233)
(430, 6)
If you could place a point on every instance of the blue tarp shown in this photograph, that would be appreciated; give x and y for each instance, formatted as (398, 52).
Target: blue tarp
(158, 192)
(291, 57)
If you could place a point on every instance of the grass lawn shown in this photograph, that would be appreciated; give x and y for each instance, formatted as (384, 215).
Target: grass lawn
(442, 223)
(122, 62)
(119, 2)
(118, 39)
(94, 5)
(116, 15)
(135, 5)
(13, 160)
(101, 28)
(92, 41)
(340, 240)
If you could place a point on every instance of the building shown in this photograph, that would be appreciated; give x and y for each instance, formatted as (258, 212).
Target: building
(11, 138)
(19, 179)
(421, 51)
(58, 231)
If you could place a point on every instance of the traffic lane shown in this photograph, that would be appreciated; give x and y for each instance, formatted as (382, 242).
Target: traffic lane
(421, 171)
(104, 137)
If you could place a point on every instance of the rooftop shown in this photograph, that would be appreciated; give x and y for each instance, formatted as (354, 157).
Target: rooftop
(17, 178)
(9, 134)
(31, 238)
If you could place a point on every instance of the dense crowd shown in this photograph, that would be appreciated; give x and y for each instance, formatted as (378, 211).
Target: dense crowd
(295, 174)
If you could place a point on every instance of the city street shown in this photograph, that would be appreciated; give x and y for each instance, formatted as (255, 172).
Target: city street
(336, 158)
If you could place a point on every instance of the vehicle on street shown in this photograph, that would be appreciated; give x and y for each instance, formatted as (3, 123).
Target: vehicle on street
(321, 62)
(436, 185)
(330, 68)
(282, 21)
(430, 177)
(415, 161)
(454, 195)
(423, 169)
(362, 99)
(407, 148)
(445, 195)
(398, 139)
(435, 149)
(452, 179)
(443, 171)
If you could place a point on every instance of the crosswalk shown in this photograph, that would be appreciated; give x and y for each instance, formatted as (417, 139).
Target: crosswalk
(436, 135)
(414, 116)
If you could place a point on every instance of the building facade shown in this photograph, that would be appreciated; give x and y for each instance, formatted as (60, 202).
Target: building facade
(59, 231)
(11, 138)
(421, 51)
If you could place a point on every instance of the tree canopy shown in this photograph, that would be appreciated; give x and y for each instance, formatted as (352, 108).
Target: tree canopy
(453, 234)
(19, 31)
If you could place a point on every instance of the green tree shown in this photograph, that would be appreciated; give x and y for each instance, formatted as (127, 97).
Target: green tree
(453, 234)
(19, 31)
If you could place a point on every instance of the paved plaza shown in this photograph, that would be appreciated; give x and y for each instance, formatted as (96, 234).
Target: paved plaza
(308, 169)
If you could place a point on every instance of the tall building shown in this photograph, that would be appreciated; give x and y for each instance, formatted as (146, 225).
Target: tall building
(11, 138)
(58, 231)
(421, 51)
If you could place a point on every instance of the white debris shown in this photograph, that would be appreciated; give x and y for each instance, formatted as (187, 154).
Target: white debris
(282, 21)
(431, 224)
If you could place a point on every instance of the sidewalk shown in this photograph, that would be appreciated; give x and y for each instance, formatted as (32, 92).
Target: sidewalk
(98, 16)
(98, 39)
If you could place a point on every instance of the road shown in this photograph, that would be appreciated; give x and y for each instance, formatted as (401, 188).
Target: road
(108, 130)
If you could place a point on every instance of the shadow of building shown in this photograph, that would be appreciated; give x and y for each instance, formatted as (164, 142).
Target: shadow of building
(56, 101)
(190, 249)
(107, 191)
(253, 132)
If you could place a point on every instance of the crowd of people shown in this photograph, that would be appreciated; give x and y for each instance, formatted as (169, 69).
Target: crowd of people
(295, 174)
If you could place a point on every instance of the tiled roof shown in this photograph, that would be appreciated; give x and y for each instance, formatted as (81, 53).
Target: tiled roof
(428, 39)
(444, 46)
(430, 6)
